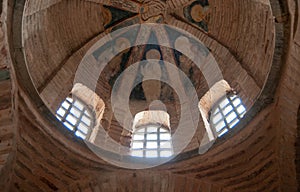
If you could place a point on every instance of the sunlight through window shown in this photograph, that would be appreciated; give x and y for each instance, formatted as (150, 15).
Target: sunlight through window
(227, 114)
(76, 117)
(151, 141)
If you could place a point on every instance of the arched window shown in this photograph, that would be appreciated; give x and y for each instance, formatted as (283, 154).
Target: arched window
(227, 113)
(152, 141)
(76, 116)
(151, 136)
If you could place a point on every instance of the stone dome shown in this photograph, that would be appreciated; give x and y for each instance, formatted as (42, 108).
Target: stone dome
(158, 54)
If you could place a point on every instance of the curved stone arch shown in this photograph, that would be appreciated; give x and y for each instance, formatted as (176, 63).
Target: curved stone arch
(94, 102)
(266, 97)
(206, 104)
(28, 90)
(261, 99)
(157, 118)
(18, 61)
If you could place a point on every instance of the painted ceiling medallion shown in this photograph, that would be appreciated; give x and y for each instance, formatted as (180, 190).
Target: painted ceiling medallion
(197, 13)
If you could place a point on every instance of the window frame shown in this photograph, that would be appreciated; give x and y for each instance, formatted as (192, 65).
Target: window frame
(224, 117)
(86, 111)
(158, 149)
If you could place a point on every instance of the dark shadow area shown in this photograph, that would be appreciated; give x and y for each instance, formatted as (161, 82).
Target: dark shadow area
(297, 147)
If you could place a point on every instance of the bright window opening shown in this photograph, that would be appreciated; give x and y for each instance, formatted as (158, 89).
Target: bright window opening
(76, 116)
(151, 141)
(227, 114)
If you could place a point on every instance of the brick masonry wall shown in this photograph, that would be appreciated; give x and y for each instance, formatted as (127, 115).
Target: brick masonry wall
(260, 157)
(7, 114)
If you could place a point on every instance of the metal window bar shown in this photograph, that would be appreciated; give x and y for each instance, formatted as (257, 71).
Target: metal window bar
(158, 149)
(82, 112)
(224, 117)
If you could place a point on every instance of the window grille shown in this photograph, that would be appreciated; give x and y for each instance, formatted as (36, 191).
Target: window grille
(151, 141)
(227, 113)
(76, 116)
